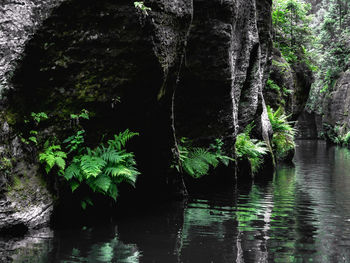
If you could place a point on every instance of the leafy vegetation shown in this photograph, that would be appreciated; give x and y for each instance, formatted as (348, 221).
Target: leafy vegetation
(104, 167)
(141, 6)
(35, 119)
(271, 85)
(251, 149)
(331, 48)
(346, 139)
(283, 132)
(196, 161)
(38, 117)
(100, 169)
(53, 155)
(292, 33)
(336, 134)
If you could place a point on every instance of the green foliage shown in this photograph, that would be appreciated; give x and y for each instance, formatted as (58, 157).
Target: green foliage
(283, 132)
(346, 139)
(141, 6)
(291, 28)
(84, 114)
(75, 141)
(100, 169)
(284, 67)
(32, 137)
(197, 161)
(251, 149)
(332, 48)
(104, 167)
(6, 166)
(217, 148)
(38, 117)
(53, 155)
(272, 85)
(336, 134)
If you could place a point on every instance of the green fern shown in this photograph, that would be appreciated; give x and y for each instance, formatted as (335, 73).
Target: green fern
(104, 168)
(252, 149)
(197, 161)
(73, 171)
(346, 139)
(279, 122)
(283, 132)
(100, 183)
(91, 166)
(121, 139)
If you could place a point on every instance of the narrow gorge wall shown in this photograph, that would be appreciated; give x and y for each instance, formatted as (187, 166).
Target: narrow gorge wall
(327, 116)
(124, 66)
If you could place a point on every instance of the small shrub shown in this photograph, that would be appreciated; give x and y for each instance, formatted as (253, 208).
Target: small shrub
(53, 156)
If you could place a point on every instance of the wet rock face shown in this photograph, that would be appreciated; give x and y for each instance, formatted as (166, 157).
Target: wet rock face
(332, 116)
(282, 75)
(89, 53)
(227, 57)
(124, 66)
(19, 20)
(303, 79)
(294, 82)
(336, 106)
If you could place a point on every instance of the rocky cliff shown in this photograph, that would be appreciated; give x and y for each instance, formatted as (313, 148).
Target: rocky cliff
(194, 67)
(329, 118)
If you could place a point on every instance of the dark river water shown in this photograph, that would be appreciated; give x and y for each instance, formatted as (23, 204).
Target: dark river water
(301, 215)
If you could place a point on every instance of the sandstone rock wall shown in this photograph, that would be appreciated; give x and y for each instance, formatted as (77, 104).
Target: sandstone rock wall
(331, 117)
(124, 66)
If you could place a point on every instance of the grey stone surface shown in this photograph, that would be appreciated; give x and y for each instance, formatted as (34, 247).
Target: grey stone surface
(215, 53)
(336, 106)
(19, 20)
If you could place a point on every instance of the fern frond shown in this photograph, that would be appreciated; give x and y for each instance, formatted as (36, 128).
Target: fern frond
(100, 183)
(60, 162)
(73, 170)
(120, 170)
(113, 191)
(251, 149)
(112, 156)
(121, 139)
(198, 162)
(91, 165)
(74, 185)
(130, 179)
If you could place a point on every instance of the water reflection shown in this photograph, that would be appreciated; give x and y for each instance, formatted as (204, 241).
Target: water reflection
(302, 215)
